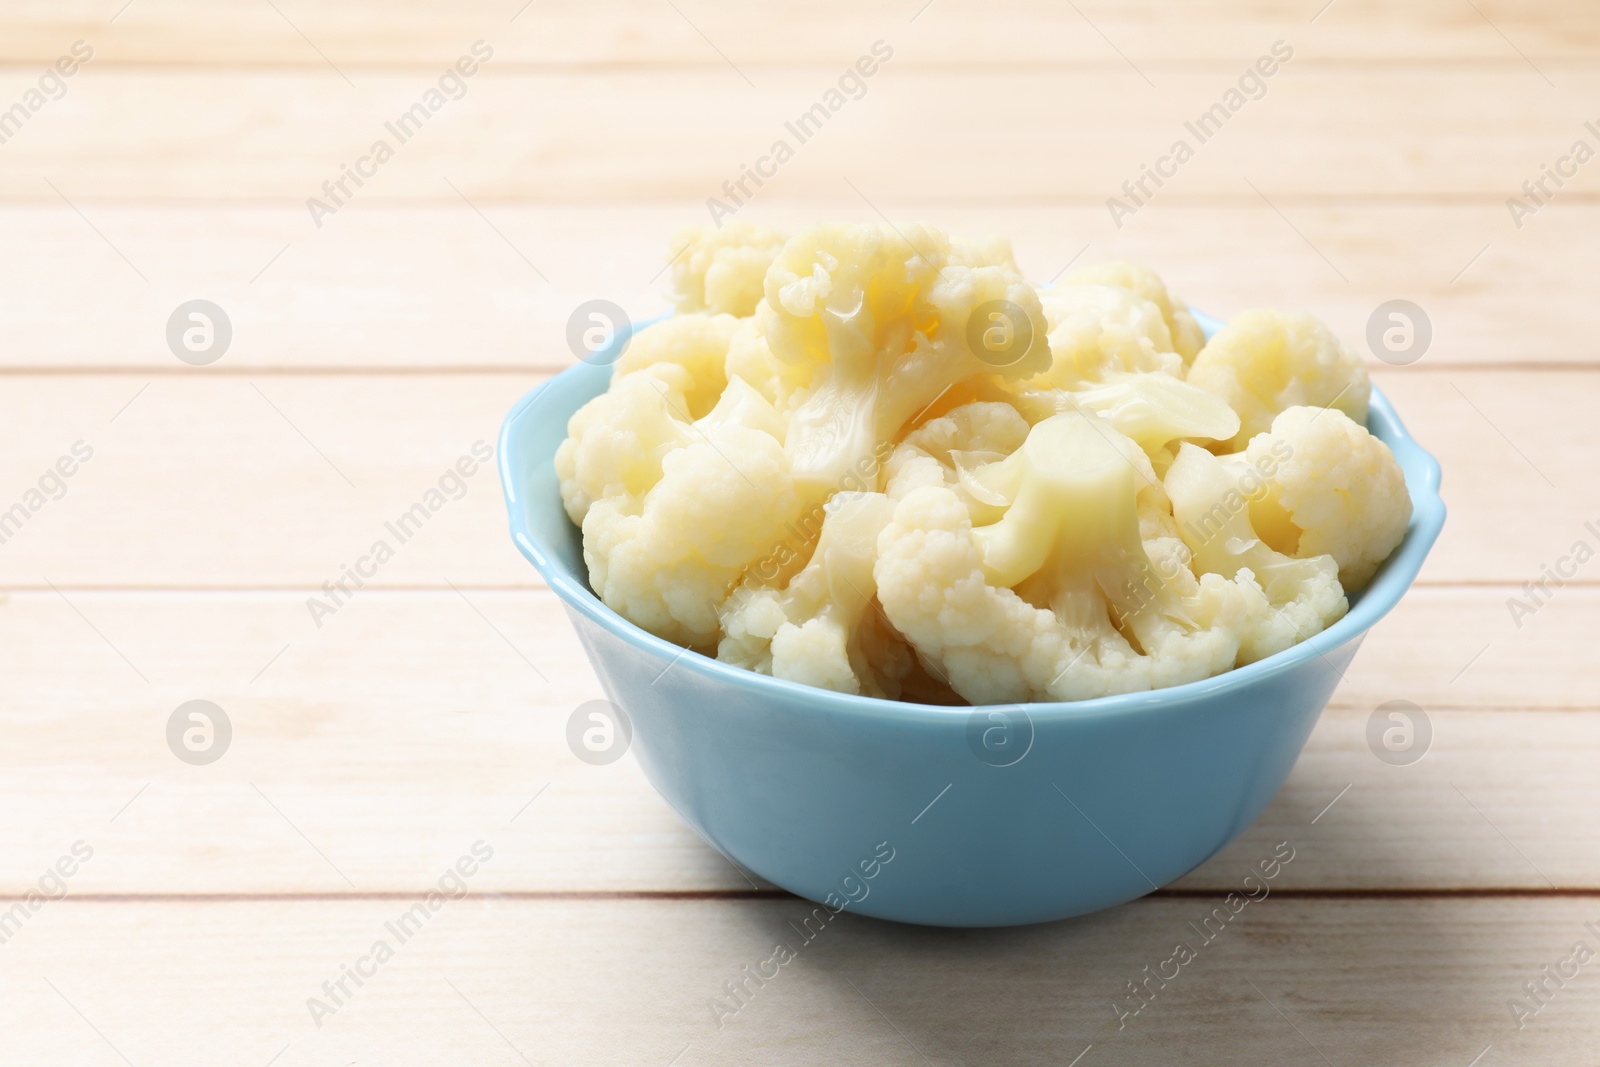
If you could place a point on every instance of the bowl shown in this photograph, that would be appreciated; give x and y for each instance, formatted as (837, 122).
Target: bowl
(947, 816)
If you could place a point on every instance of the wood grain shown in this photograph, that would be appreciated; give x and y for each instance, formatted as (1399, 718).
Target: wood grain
(495, 982)
(382, 286)
(185, 134)
(639, 33)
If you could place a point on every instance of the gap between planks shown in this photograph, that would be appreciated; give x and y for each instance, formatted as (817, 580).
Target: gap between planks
(527, 895)
(954, 200)
(557, 67)
(1590, 366)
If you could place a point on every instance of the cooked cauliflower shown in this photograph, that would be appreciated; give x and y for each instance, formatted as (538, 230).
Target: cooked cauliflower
(1187, 337)
(1112, 353)
(974, 451)
(988, 251)
(1262, 362)
(698, 343)
(1154, 409)
(951, 449)
(674, 511)
(818, 470)
(1057, 600)
(823, 628)
(1288, 600)
(722, 270)
(615, 442)
(1336, 490)
(1098, 330)
(877, 316)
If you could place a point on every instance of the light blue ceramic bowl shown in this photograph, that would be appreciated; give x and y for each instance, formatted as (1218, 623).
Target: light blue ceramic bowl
(1106, 800)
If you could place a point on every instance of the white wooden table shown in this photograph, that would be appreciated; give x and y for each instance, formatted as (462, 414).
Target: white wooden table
(372, 752)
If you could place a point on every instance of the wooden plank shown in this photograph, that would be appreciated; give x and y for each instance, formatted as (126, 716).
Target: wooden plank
(1463, 648)
(357, 34)
(581, 135)
(406, 721)
(412, 721)
(436, 286)
(283, 484)
(1518, 497)
(513, 982)
(237, 481)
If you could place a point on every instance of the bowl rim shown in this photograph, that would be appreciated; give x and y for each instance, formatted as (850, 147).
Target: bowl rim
(1394, 577)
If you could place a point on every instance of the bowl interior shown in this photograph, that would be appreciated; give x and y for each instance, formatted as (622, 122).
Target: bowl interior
(537, 424)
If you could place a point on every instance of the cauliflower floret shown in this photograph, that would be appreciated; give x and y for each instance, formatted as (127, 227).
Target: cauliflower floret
(821, 629)
(1111, 353)
(669, 374)
(1057, 600)
(1187, 337)
(1331, 488)
(616, 441)
(1100, 330)
(722, 269)
(973, 451)
(1262, 362)
(1289, 599)
(674, 511)
(990, 250)
(697, 343)
(750, 357)
(948, 450)
(879, 317)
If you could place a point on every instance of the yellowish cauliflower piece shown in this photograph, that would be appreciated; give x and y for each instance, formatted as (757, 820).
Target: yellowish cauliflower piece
(823, 628)
(989, 251)
(1112, 353)
(1187, 337)
(1287, 599)
(722, 270)
(1057, 600)
(957, 443)
(877, 316)
(674, 511)
(1338, 492)
(615, 443)
(1262, 362)
(1099, 330)
(696, 342)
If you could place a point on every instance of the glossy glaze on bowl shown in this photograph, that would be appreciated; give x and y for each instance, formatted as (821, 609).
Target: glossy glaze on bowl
(1113, 797)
